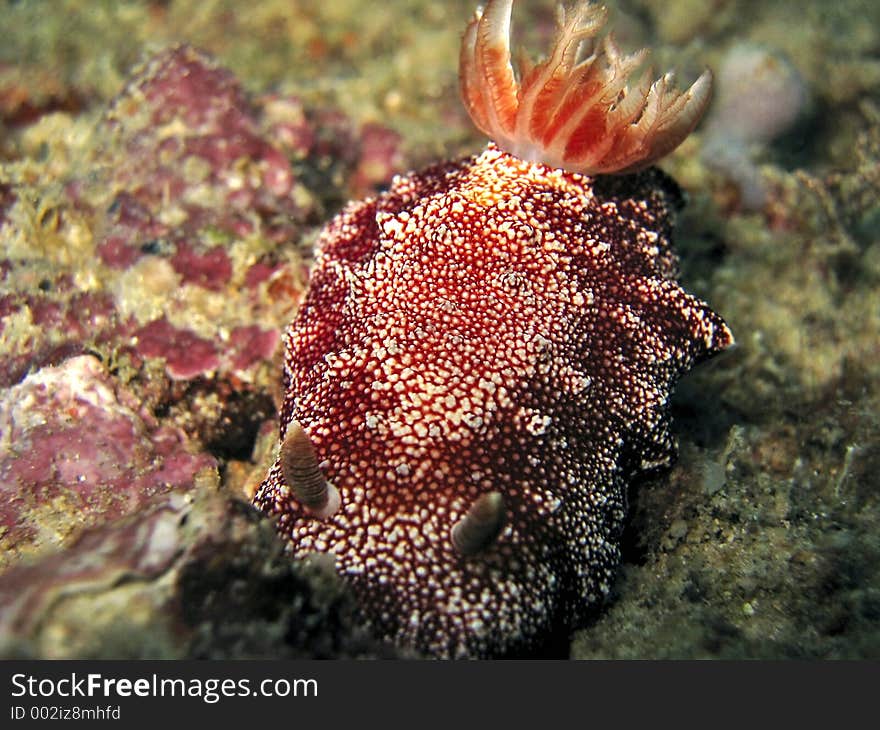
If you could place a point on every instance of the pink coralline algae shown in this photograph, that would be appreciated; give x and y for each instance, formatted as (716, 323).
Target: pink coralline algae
(177, 195)
(192, 167)
(195, 166)
(485, 355)
(151, 243)
(379, 157)
(211, 269)
(193, 138)
(74, 442)
(63, 321)
(186, 354)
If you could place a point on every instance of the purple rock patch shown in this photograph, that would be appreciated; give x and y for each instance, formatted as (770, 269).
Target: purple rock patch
(76, 448)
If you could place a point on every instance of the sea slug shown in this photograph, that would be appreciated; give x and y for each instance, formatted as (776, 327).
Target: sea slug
(486, 351)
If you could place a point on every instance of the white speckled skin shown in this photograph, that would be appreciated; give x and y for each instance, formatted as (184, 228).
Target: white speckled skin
(487, 325)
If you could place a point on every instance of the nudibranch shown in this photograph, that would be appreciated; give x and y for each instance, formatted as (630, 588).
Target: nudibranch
(485, 354)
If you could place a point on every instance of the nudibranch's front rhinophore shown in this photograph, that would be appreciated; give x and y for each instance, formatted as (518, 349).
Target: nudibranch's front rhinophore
(482, 362)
